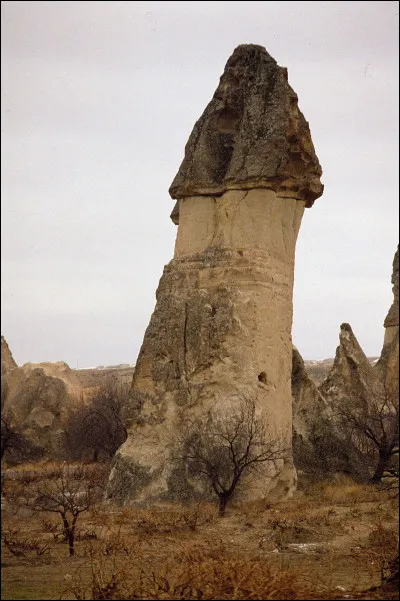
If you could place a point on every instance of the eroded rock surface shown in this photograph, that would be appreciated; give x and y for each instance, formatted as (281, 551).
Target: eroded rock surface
(37, 400)
(352, 376)
(391, 322)
(221, 328)
(7, 360)
(251, 135)
(388, 365)
(319, 449)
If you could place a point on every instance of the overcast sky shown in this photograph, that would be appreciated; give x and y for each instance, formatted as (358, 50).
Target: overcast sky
(98, 101)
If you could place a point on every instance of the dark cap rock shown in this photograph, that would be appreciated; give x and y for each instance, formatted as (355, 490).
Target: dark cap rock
(252, 134)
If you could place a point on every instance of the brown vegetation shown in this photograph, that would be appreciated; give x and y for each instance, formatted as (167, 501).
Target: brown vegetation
(66, 491)
(333, 541)
(95, 430)
(372, 424)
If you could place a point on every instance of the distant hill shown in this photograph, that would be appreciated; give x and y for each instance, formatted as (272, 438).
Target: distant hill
(317, 369)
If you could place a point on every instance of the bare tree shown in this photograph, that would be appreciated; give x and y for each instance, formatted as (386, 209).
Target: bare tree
(97, 427)
(221, 449)
(66, 490)
(373, 424)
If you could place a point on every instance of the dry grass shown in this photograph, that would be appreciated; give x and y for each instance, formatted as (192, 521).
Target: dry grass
(333, 542)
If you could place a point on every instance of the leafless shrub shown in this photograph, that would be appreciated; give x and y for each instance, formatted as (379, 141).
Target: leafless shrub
(197, 514)
(372, 422)
(96, 430)
(21, 545)
(201, 578)
(221, 449)
(381, 549)
(66, 491)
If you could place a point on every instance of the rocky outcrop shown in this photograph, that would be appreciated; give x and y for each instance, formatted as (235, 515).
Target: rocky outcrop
(318, 369)
(388, 365)
(308, 403)
(391, 322)
(60, 370)
(356, 391)
(387, 369)
(319, 446)
(7, 360)
(37, 400)
(352, 376)
(221, 328)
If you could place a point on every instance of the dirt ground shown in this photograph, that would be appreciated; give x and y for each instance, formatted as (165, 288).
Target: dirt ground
(333, 541)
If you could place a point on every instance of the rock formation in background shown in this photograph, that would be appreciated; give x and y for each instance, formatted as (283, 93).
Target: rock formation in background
(7, 360)
(352, 376)
(391, 322)
(388, 365)
(319, 449)
(36, 399)
(221, 328)
(38, 402)
(354, 387)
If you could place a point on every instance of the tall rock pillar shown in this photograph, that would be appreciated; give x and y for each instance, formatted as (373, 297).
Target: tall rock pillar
(391, 323)
(221, 328)
(388, 364)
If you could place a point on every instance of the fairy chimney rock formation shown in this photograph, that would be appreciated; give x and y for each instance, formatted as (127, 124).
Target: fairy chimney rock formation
(7, 360)
(221, 328)
(318, 445)
(391, 322)
(352, 376)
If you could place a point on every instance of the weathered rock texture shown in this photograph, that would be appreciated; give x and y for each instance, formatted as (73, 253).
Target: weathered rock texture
(251, 135)
(37, 398)
(388, 364)
(354, 385)
(352, 376)
(221, 328)
(319, 369)
(391, 322)
(7, 360)
(319, 448)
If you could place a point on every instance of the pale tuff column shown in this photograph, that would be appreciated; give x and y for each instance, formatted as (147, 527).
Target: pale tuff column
(221, 328)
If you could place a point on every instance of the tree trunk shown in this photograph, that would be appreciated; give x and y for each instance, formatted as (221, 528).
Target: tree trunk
(380, 468)
(66, 527)
(71, 540)
(223, 501)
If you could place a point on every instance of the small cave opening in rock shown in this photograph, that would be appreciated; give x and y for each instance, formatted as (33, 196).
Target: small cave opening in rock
(226, 120)
(262, 377)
